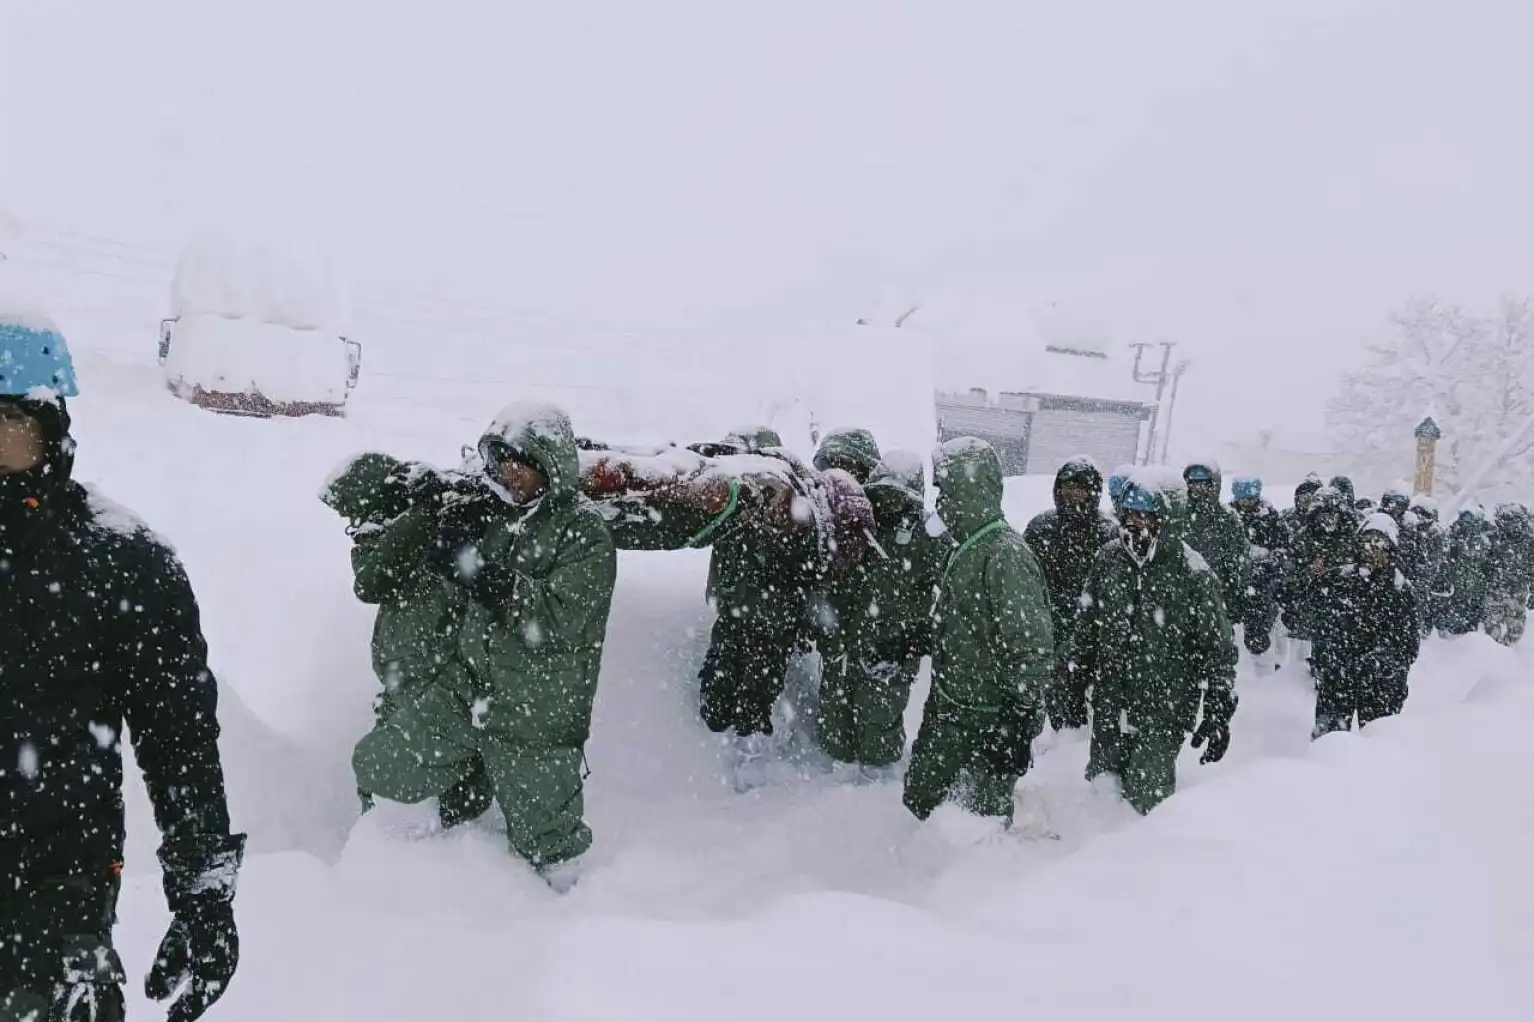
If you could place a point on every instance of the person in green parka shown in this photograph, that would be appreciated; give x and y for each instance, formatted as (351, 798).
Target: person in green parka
(1216, 531)
(392, 508)
(1065, 541)
(882, 610)
(854, 451)
(536, 567)
(1151, 644)
(993, 647)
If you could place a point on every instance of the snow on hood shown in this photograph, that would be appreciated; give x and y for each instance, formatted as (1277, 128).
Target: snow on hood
(543, 433)
(113, 517)
(1383, 524)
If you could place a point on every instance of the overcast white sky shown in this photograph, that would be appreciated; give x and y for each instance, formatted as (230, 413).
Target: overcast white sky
(1259, 181)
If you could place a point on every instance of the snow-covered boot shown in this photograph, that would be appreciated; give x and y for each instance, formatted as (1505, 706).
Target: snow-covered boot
(561, 876)
(749, 761)
(878, 774)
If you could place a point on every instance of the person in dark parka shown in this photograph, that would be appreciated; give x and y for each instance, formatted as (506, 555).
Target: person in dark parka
(1268, 545)
(1151, 645)
(1367, 634)
(1460, 593)
(99, 631)
(1065, 541)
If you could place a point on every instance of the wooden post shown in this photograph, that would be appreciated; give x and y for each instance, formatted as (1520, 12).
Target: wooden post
(1428, 435)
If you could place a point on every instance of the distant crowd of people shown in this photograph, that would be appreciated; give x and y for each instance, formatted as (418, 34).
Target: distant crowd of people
(494, 584)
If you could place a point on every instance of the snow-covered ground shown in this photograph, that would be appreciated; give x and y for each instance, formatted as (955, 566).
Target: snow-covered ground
(1374, 876)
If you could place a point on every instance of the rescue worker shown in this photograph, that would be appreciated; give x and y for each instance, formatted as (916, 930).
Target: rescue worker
(392, 509)
(537, 568)
(1152, 644)
(1509, 580)
(1065, 542)
(99, 631)
(1367, 634)
(1215, 531)
(993, 653)
(883, 624)
(1466, 573)
(1267, 546)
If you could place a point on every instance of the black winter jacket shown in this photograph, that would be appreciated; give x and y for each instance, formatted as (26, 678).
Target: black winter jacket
(98, 629)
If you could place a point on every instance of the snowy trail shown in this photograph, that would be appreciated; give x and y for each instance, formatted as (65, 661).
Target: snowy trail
(1381, 875)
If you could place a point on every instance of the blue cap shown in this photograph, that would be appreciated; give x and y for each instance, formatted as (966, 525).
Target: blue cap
(1117, 485)
(1199, 474)
(1138, 498)
(1247, 488)
(34, 357)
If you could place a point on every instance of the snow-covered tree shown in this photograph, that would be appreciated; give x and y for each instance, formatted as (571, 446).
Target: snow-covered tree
(1474, 375)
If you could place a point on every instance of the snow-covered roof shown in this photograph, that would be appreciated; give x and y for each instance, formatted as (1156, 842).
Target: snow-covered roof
(1034, 365)
(262, 276)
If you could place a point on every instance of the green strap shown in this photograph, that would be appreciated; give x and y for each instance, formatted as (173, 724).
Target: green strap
(719, 519)
(979, 534)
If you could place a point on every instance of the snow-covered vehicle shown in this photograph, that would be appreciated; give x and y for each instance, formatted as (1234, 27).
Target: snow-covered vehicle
(256, 331)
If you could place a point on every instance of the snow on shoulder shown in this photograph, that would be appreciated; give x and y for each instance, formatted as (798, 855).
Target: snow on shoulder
(1195, 559)
(113, 517)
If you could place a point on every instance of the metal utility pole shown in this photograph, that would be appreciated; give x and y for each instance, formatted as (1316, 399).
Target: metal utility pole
(1160, 378)
(1171, 407)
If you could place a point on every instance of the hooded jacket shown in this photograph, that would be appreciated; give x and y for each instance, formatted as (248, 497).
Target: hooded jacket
(1153, 639)
(1218, 533)
(855, 451)
(883, 605)
(1066, 544)
(100, 632)
(540, 579)
(394, 511)
(993, 638)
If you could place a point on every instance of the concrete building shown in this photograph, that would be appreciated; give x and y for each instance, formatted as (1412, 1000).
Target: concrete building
(1062, 401)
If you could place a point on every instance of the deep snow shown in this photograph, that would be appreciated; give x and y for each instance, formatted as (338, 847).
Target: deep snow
(1373, 876)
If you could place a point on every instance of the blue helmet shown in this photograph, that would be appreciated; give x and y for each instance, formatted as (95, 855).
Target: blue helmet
(1138, 498)
(33, 357)
(1247, 488)
(1117, 485)
(1199, 473)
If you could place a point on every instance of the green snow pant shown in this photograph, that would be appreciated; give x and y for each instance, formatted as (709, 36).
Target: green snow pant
(430, 745)
(1144, 761)
(862, 710)
(947, 764)
(1341, 694)
(744, 671)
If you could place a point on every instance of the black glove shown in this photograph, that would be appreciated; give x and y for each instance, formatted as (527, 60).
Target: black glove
(1006, 745)
(1219, 707)
(199, 954)
(1066, 701)
(91, 990)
